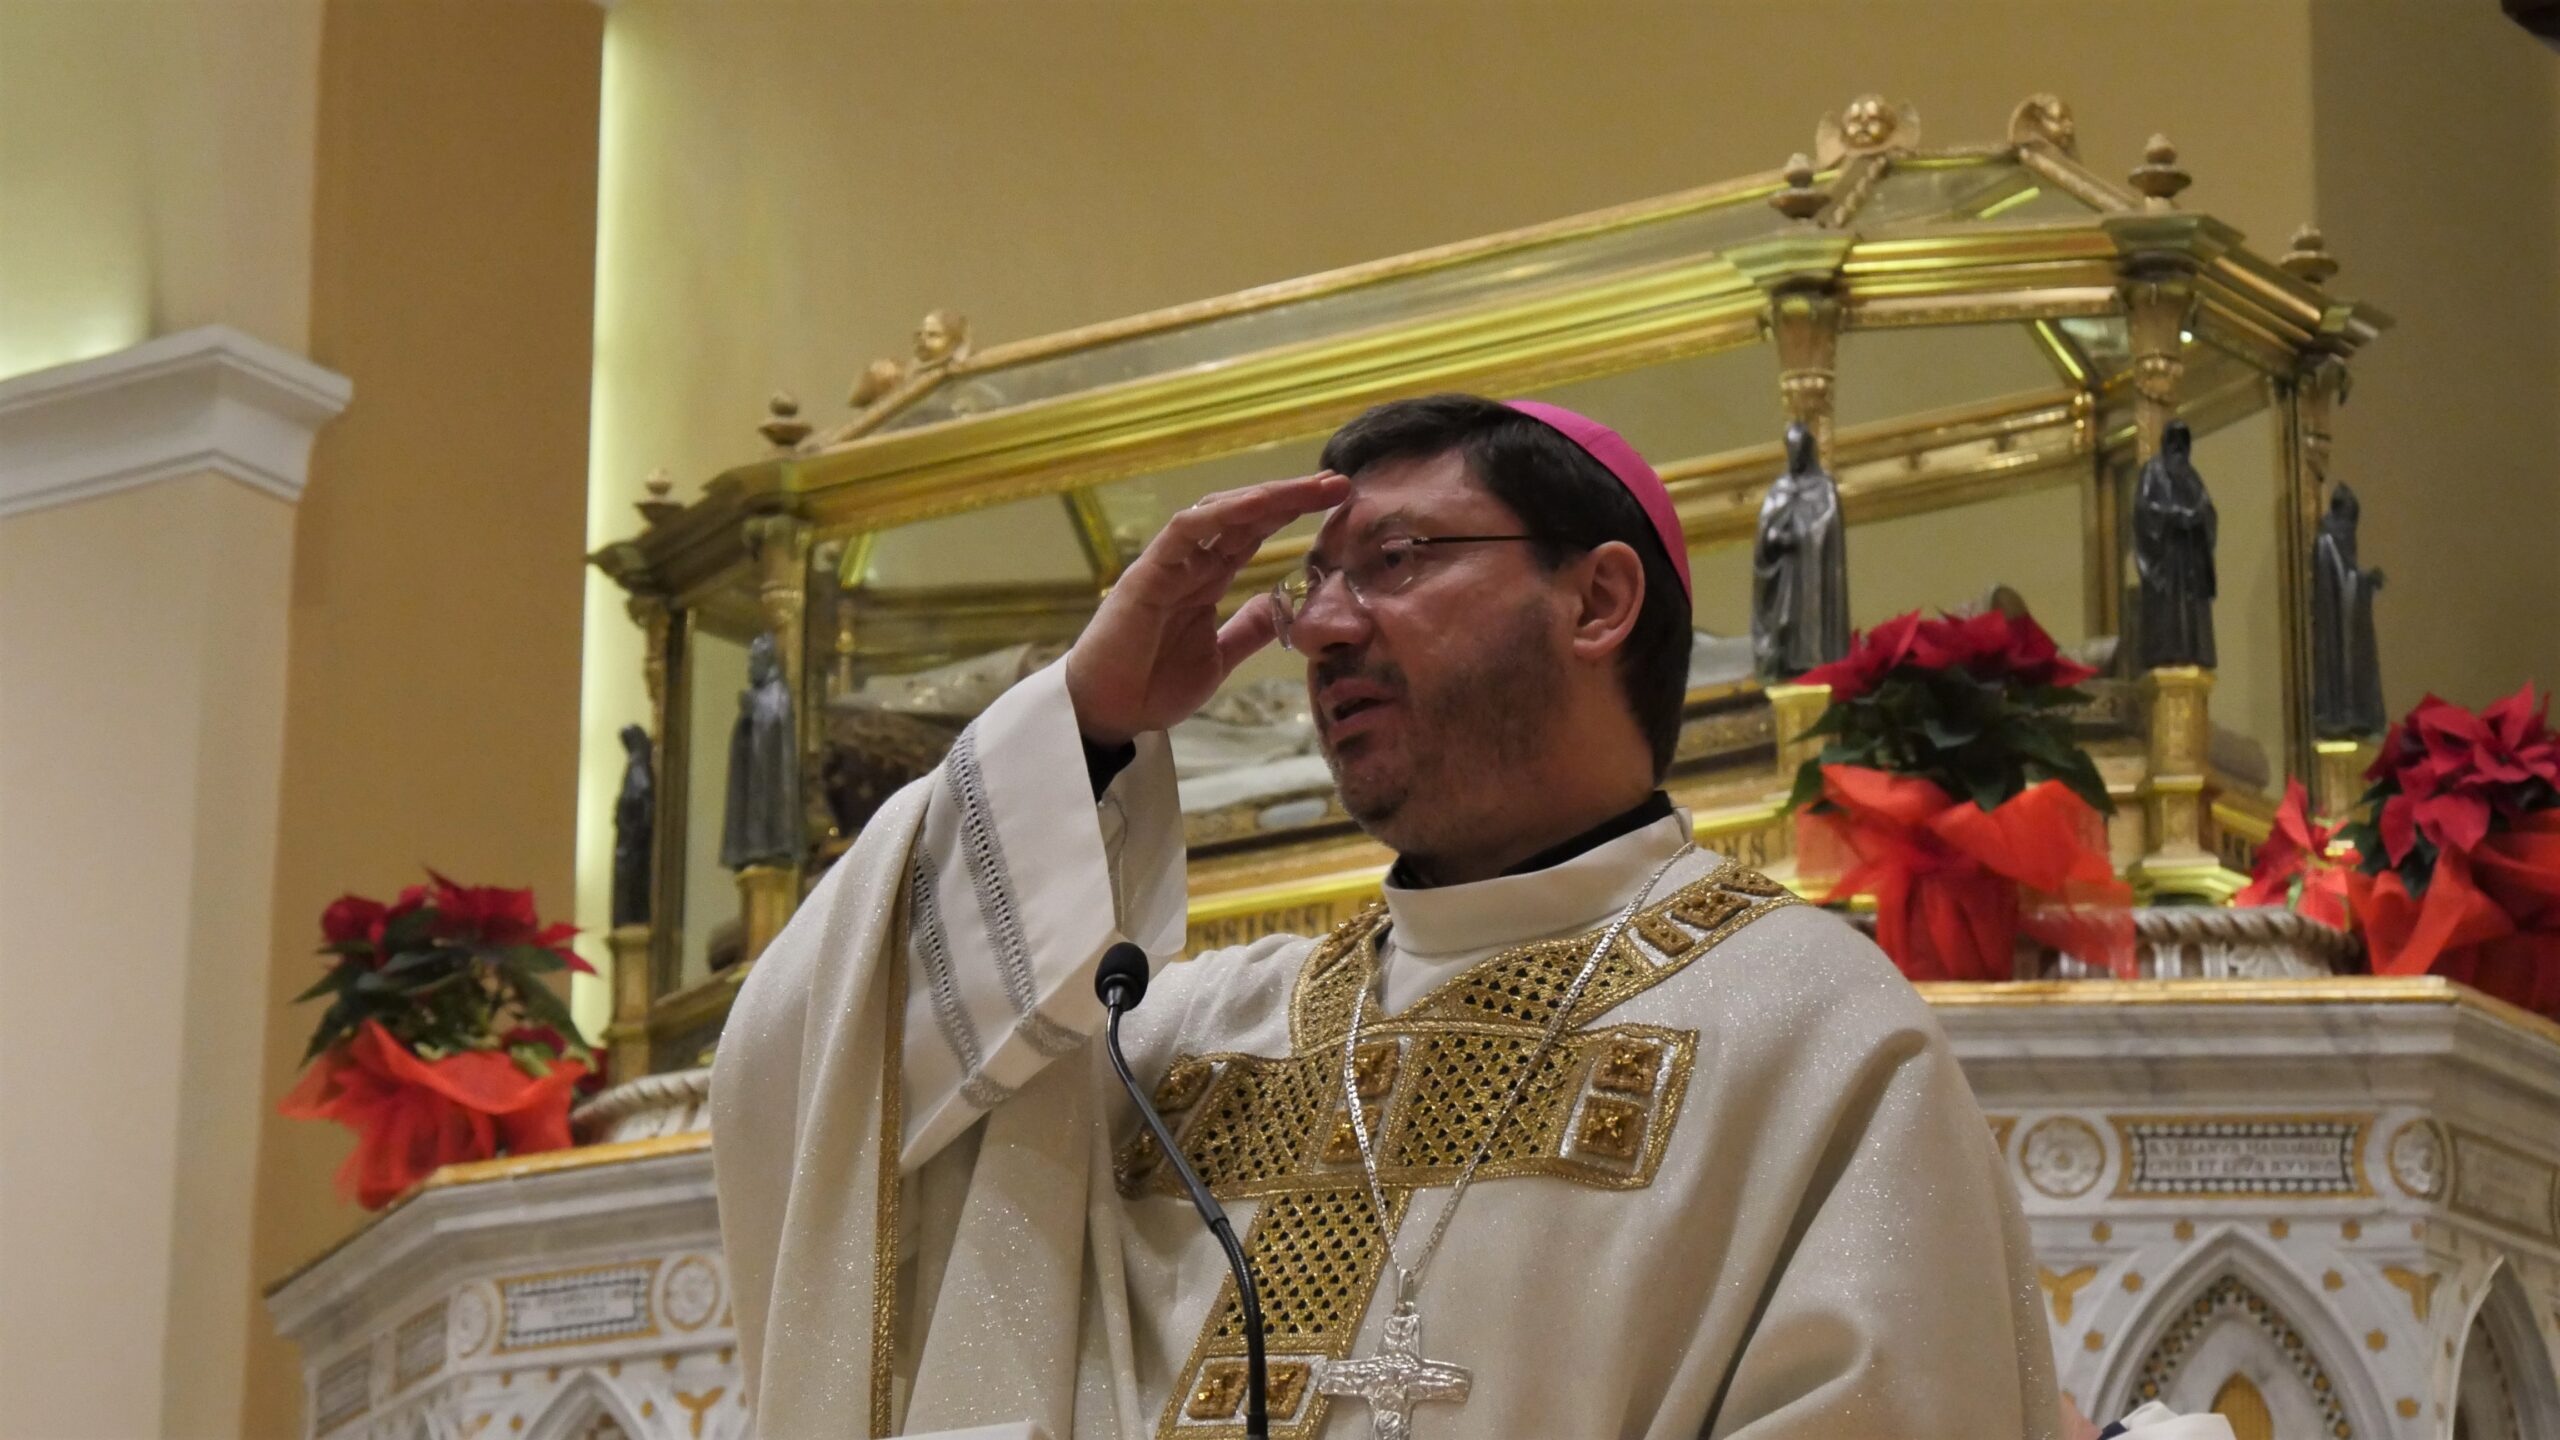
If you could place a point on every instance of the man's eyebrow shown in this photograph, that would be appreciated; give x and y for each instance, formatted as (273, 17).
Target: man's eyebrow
(1369, 530)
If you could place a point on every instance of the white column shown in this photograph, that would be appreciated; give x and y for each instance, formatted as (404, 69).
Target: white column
(146, 542)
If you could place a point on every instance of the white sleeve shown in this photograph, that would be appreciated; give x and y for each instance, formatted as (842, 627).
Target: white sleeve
(1017, 883)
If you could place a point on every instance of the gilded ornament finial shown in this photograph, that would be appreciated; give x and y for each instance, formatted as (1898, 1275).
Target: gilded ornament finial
(2309, 259)
(876, 380)
(2158, 176)
(1800, 200)
(2047, 118)
(942, 338)
(1868, 125)
(658, 492)
(783, 426)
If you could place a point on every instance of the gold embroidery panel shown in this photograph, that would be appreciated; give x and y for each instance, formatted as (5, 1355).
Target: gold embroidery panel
(1599, 1112)
(1317, 1256)
(1521, 988)
(1265, 1126)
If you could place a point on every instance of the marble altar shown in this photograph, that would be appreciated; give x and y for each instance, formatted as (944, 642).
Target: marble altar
(2329, 1200)
(578, 1295)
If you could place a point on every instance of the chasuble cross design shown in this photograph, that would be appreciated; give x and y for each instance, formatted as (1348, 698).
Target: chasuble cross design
(1599, 1112)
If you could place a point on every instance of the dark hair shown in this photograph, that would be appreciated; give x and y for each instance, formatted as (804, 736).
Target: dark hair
(1570, 502)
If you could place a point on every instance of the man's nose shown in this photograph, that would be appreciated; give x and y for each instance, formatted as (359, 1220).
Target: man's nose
(1331, 616)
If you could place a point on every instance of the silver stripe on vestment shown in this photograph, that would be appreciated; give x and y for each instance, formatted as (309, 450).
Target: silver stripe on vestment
(933, 950)
(983, 851)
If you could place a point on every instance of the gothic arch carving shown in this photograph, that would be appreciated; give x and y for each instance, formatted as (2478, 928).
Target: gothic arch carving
(2232, 1306)
(574, 1412)
(2506, 1386)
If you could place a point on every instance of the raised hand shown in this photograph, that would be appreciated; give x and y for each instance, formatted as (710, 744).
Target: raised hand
(1154, 651)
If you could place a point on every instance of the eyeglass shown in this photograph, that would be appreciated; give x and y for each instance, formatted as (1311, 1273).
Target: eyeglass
(1383, 571)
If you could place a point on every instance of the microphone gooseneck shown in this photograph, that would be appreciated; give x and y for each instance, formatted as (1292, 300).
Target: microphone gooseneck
(1120, 982)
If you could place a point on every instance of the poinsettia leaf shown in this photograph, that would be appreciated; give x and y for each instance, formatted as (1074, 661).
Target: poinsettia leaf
(534, 958)
(410, 962)
(335, 979)
(2082, 778)
(1808, 786)
(337, 1022)
(1950, 731)
(544, 1005)
(1986, 784)
(410, 931)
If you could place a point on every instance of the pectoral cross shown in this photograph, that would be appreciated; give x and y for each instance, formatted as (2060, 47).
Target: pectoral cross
(1397, 1378)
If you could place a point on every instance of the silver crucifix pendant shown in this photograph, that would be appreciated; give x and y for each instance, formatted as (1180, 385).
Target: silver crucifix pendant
(1397, 1378)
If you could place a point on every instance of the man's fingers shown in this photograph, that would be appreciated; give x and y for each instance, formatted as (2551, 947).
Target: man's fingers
(1203, 548)
(1256, 513)
(1254, 625)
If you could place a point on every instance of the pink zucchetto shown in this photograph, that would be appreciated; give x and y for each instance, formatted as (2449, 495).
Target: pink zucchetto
(1620, 459)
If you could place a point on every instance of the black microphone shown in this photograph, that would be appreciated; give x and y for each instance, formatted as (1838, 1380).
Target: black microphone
(1120, 982)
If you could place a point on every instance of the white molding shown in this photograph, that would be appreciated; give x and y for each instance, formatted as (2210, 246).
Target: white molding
(207, 399)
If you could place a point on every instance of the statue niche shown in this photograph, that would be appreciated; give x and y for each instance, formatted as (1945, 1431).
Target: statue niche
(2174, 530)
(1799, 569)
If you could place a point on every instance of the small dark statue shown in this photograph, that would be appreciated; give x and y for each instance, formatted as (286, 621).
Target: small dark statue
(635, 814)
(762, 823)
(2174, 528)
(2346, 671)
(1799, 569)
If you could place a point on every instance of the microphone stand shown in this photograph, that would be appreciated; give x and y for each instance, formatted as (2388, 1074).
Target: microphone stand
(1120, 982)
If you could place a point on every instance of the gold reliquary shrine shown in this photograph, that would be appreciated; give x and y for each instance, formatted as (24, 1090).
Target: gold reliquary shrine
(1987, 342)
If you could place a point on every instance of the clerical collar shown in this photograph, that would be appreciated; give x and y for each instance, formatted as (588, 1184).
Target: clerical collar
(1567, 893)
(1644, 812)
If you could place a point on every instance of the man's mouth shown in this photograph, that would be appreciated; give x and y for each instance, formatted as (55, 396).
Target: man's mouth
(1351, 707)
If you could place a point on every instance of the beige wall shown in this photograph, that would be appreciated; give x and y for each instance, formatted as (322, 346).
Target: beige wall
(155, 172)
(432, 699)
(2439, 177)
(142, 641)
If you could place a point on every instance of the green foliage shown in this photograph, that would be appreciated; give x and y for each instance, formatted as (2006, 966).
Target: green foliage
(1977, 739)
(444, 969)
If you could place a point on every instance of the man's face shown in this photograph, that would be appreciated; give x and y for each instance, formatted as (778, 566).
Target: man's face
(1424, 698)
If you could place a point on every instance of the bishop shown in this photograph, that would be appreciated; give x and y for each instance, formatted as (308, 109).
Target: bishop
(1657, 1150)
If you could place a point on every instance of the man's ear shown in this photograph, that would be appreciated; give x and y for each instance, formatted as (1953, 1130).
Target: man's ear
(1612, 596)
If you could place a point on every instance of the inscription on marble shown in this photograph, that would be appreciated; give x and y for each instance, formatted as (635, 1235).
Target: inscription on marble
(2492, 1182)
(343, 1392)
(2242, 1155)
(577, 1306)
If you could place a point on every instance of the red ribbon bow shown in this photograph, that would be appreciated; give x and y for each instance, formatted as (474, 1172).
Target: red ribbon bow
(411, 1115)
(1955, 884)
(2490, 917)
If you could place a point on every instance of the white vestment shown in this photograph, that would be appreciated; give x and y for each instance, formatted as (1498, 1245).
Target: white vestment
(1752, 1197)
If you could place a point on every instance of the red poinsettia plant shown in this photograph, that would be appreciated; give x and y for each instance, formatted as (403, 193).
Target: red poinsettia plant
(2304, 866)
(1949, 788)
(442, 1041)
(1973, 704)
(2459, 842)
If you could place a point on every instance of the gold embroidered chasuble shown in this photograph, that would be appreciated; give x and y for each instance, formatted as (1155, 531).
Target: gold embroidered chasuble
(1748, 1195)
(1604, 1103)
